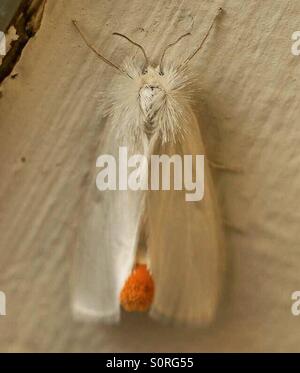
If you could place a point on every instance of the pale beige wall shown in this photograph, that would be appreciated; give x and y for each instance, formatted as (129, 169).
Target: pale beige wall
(250, 112)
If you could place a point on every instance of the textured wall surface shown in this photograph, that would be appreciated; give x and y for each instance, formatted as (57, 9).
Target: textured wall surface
(50, 128)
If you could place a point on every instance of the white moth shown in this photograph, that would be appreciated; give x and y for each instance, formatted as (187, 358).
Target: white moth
(150, 113)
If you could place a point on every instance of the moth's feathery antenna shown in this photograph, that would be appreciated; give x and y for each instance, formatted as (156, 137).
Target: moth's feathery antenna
(169, 46)
(95, 50)
(220, 10)
(136, 44)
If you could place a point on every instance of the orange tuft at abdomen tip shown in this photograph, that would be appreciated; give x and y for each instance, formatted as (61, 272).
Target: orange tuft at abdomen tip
(137, 293)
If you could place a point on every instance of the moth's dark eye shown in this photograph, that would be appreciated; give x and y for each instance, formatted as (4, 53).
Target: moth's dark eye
(161, 73)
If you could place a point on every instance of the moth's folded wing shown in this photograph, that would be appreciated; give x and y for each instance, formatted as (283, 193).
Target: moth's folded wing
(105, 252)
(186, 247)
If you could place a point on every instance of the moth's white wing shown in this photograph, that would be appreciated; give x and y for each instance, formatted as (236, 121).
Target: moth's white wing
(186, 247)
(106, 249)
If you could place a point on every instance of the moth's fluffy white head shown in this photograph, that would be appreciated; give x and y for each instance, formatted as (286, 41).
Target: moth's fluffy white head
(161, 99)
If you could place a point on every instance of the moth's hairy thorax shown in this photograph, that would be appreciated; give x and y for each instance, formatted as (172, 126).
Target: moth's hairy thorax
(150, 104)
(151, 97)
